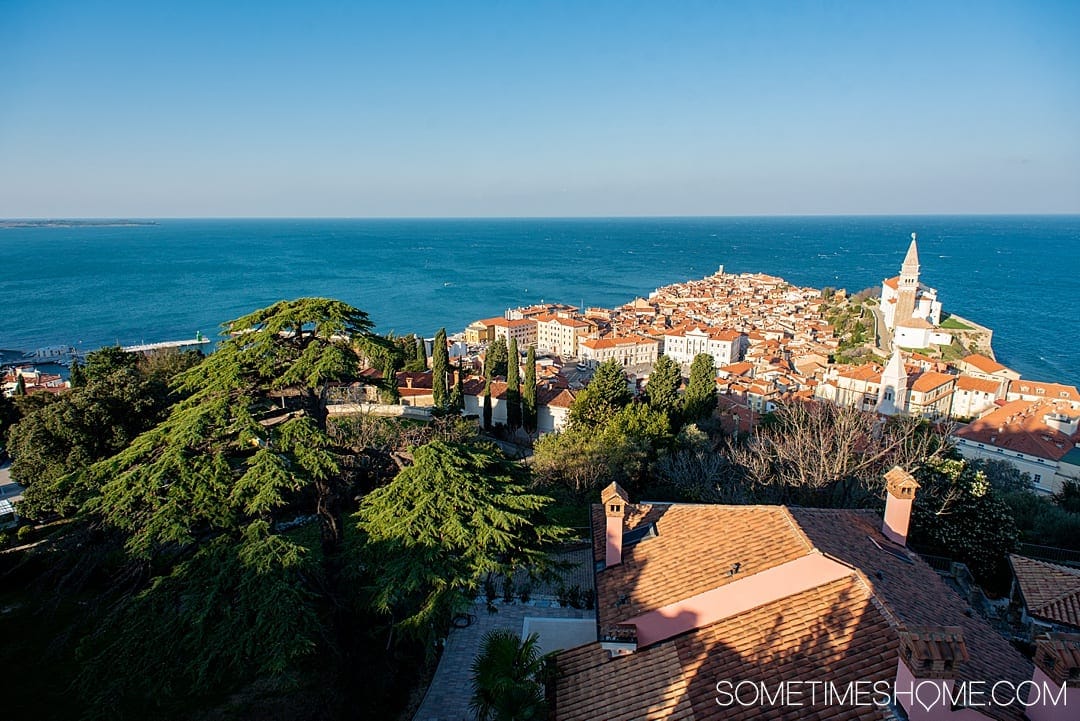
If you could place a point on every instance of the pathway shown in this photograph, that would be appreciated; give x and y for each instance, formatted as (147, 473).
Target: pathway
(448, 695)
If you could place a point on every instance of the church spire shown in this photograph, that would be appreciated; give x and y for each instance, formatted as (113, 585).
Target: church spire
(909, 271)
(893, 391)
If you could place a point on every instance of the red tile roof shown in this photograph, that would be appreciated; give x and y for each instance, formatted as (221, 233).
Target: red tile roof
(981, 362)
(842, 630)
(1019, 426)
(1051, 592)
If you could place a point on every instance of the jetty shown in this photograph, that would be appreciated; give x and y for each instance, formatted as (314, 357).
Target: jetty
(199, 339)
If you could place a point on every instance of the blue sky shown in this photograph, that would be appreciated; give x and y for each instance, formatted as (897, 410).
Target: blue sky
(148, 109)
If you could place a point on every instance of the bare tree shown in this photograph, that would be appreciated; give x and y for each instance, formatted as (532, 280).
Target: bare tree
(828, 454)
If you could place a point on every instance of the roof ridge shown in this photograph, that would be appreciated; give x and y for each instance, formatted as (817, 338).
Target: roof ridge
(799, 532)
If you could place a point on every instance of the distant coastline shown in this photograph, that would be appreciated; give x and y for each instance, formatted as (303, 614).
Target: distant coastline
(66, 223)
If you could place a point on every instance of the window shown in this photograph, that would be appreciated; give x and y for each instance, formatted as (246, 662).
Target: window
(1037, 478)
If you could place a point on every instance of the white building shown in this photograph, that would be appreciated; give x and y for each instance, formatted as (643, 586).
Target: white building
(559, 334)
(911, 310)
(725, 346)
(1035, 437)
(627, 351)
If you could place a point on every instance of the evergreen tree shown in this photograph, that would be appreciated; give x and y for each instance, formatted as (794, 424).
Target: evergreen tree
(225, 596)
(421, 354)
(103, 361)
(388, 391)
(9, 416)
(78, 378)
(487, 401)
(20, 386)
(513, 388)
(699, 401)
(495, 360)
(458, 515)
(457, 395)
(528, 392)
(662, 390)
(440, 365)
(606, 393)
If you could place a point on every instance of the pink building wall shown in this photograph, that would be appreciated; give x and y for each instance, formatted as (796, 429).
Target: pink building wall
(737, 597)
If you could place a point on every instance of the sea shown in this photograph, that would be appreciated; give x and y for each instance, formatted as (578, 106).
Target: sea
(91, 283)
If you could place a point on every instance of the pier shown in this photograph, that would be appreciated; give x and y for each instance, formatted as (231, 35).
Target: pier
(199, 339)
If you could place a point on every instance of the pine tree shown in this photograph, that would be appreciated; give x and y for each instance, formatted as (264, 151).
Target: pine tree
(606, 393)
(444, 524)
(440, 365)
(513, 388)
(662, 390)
(699, 400)
(528, 392)
(195, 497)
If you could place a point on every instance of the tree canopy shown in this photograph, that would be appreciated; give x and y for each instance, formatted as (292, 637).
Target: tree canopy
(444, 524)
(440, 366)
(496, 358)
(606, 393)
(662, 390)
(513, 387)
(528, 392)
(699, 401)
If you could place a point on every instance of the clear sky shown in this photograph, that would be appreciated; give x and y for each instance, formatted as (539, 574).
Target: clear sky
(513, 108)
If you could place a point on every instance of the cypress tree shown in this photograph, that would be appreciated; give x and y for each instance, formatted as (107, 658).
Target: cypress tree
(389, 391)
(528, 392)
(662, 391)
(457, 396)
(440, 364)
(20, 387)
(700, 399)
(487, 401)
(513, 387)
(421, 354)
(78, 378)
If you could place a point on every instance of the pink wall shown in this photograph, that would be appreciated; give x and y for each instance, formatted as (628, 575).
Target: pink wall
(1067, 709)
(897, 519)
(613, 555)
(940, 708)
(737, 597)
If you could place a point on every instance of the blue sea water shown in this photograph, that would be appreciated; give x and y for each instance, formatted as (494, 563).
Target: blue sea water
(94, 285)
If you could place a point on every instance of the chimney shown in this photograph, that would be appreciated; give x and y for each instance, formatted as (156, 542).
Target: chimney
(929, 655)
(1055, 684)
(614, 499)
(408, 381)
(900, 486)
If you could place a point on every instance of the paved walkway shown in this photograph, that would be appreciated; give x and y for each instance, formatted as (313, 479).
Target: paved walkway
(448, 696)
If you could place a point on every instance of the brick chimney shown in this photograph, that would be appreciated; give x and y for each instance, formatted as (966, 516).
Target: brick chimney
(1055, 691)
(929, 655)
(900, 486)
(614, 499)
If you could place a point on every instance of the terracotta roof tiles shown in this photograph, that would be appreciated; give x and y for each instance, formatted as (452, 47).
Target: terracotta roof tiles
(1051, 592)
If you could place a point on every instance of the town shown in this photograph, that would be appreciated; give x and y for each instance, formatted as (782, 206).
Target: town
(770, 342)
(761, 563)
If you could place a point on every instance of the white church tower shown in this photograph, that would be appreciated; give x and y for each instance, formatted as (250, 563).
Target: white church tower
(893, 391)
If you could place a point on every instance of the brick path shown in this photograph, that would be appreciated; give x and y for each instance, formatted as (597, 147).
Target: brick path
(448, 696)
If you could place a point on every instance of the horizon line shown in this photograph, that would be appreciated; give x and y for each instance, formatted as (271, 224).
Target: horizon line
(44, 218)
